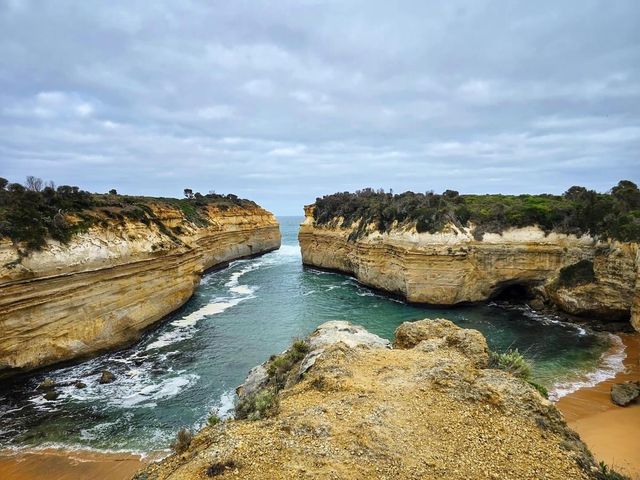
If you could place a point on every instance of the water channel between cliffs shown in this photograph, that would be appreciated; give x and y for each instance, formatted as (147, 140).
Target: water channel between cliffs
(238, 317)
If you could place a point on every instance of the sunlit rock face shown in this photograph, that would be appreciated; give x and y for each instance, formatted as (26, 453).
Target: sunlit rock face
(104, 287)
(452, 267)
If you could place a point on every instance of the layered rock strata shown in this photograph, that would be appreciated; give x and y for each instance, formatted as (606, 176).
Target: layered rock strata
(108, 284)
(427, 408)
(452, 267)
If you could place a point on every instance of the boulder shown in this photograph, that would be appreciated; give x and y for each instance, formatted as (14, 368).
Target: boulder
(106, 377)
(51, 395)
(256, 380)
(429, 334)
(339, 331)
(80, 384)
(47, 384)
(625, 393)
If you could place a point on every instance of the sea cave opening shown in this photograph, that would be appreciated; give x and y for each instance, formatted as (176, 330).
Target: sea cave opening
(513, 291)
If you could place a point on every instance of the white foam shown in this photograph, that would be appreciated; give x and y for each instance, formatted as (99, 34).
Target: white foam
(185, 324)
(611, 363)
(148, 395)
(288, 251)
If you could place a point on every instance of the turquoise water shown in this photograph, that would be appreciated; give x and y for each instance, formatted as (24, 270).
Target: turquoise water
(238, 317)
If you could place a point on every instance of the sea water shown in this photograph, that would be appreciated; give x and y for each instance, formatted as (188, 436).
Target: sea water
(190, 364)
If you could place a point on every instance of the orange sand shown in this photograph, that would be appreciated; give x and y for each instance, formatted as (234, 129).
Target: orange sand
(611, 432)
(68, 465)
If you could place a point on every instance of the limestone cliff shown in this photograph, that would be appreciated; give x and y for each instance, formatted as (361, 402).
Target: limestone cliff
(355, 408)
(452, 266)
(108, 284)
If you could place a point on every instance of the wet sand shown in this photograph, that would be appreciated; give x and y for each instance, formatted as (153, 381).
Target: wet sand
(68, 465)
(612, 433)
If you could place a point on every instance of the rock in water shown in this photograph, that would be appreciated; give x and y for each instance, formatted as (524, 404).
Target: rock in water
(47, 384)
(624, 393)
(80, 384)
(107, 377)
(51, 395)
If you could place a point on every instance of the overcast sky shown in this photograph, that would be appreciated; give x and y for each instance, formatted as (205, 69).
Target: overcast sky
(283, 101)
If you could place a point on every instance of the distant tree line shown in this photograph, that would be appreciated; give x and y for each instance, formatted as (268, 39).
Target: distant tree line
(37, 210)
(615, 214)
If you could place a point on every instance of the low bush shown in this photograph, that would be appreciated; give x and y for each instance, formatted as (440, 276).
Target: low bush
(280, 365)
(511, 361)
(219, 468)
(542, 390)
(182, 441)
(259, 405)
(579, 211)
(213, 419)
(606, 473)
(265, 402)
(32, 213)
(579, 273)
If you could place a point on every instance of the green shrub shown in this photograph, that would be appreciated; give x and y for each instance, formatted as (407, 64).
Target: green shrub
(213, 419)
(606, 473)
(578, 211)
(279, 366)
(256, 406)
(511, 361)
(265, 402)
(579, 273)
(30, 214)
(542, 390)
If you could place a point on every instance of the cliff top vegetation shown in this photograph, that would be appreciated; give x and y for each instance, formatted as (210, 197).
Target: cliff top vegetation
(615, 214)
(32, 212)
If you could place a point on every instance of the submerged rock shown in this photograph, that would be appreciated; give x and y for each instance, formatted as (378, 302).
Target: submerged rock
(51, 395)
(106, 377)
(625, 393)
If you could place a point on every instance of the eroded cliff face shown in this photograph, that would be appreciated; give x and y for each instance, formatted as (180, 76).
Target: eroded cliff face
(355, 408)
(104, 287)
(452, 267)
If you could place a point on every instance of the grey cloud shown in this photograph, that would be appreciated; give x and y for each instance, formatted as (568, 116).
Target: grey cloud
(284, 101)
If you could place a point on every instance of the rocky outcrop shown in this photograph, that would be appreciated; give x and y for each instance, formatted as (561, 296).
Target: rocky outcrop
(108, 284)
(625, 393)
(451, 266)
(428, 408)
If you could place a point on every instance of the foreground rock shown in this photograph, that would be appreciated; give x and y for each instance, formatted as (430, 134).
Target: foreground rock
(108, 284)
(625, 393)
(579, 275)
(425, 409)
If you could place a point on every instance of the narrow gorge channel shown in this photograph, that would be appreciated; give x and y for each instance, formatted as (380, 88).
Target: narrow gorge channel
(191, 362)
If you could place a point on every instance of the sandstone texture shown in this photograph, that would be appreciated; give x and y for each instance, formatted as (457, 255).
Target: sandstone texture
(451, 267)
(425, 409)
(108, 284)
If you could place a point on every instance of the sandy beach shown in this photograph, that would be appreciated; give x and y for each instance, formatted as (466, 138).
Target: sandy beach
(612, 433)
(68, 465)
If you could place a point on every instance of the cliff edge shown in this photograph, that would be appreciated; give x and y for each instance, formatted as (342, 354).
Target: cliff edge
(126, 269)
(351, 407)
(580, 275)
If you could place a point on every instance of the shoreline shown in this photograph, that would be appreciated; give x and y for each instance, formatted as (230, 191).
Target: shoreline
(60, 464)
(610, 431)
